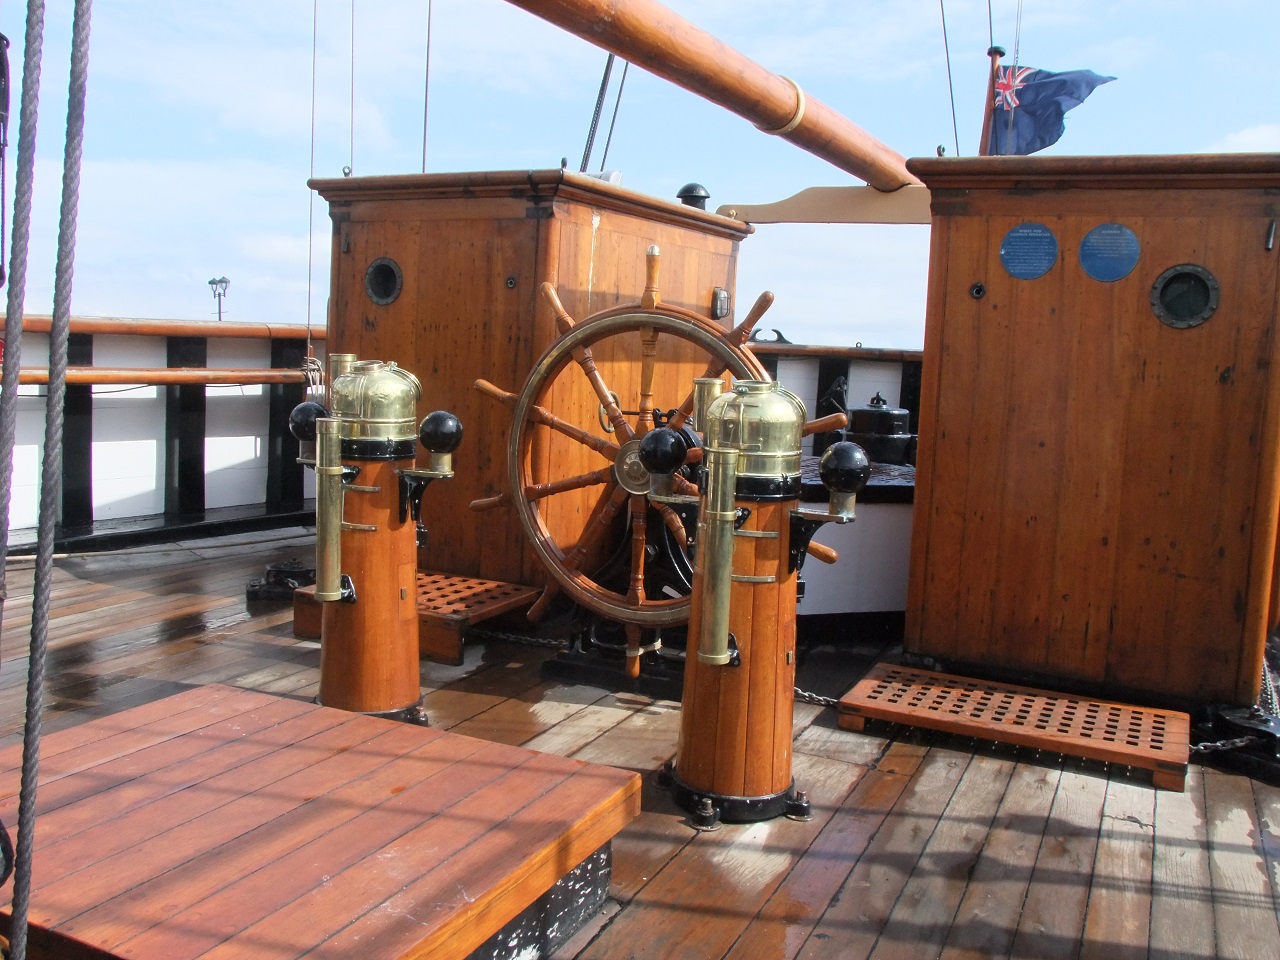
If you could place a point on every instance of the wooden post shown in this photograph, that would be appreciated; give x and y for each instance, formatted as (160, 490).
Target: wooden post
(988, 114)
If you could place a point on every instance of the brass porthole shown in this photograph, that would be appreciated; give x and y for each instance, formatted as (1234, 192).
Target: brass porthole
(383, 281)
(1185, 296)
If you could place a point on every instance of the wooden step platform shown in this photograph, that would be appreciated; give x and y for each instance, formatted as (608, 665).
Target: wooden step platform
(227, 823)
(448, 605)
(1156, 740)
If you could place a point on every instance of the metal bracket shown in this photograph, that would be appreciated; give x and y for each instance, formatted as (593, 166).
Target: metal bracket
(802, 530)
(347, 589)
(735, 657)
(413, 483)
(740, 516)
(1255, 721)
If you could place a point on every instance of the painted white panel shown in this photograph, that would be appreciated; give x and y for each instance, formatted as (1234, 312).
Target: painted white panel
(135, 489)
(239, 353)
(867, 377)
(35, 349)
(127, 351)
(871, 574)
(800, 376)
(235, 449)
(28, 452)
(128, 447)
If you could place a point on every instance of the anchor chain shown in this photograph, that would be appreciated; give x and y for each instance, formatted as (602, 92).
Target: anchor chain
(1219, 746)
(485, 633)
(804, 696)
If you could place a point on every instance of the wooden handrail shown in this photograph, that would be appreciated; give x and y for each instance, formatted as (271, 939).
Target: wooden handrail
(125, 326)
(164, 376)
(649, 35)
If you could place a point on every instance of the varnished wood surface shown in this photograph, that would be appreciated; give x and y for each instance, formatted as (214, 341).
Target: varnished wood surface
(473, 249)
(1096, 491)
(227, 822)
(122, 326)
(923, 845)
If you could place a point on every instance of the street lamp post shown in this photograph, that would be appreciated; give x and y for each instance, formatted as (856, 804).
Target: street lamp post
(219, 287)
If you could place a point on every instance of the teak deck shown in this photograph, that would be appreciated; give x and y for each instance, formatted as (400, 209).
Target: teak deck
(226, 822)
(922, 845)
(1157, 740)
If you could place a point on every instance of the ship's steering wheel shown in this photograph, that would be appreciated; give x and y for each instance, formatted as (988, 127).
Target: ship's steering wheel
(619, 347)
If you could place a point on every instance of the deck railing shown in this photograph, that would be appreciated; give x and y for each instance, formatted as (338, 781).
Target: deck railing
(166, 423)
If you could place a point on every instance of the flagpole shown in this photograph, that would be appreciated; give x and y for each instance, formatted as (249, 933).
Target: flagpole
(984, 145)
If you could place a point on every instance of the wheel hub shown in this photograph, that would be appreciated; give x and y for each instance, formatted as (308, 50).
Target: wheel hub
(629, 471)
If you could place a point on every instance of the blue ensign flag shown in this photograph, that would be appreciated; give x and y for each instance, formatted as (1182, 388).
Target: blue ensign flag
(1030, 104)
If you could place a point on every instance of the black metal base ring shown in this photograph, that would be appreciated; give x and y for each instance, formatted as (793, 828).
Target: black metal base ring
(414, 713)
(708, 810)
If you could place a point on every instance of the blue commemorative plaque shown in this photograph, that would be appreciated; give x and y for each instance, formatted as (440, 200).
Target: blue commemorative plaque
(1109, 252)
(1029, 251)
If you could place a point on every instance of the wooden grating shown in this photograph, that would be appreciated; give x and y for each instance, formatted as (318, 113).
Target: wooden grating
(447, 605)
(467, 598)
(1157, 740)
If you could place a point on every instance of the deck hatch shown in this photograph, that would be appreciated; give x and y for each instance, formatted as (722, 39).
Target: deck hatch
(1157, 740)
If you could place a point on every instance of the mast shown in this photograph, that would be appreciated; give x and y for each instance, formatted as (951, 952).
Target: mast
(649, 35)
(988, 115)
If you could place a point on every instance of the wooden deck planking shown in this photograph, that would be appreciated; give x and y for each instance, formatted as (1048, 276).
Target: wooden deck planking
(852, 924)
(1243, 903)
(1067, 858)
(1119, 920)
(1051, 924)
(922, 917)
(987, 919)
(1181, 884)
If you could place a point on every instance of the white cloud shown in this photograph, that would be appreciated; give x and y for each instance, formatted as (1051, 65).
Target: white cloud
(1261, 138)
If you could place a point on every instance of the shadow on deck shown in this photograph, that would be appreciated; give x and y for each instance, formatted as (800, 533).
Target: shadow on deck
(922, 845)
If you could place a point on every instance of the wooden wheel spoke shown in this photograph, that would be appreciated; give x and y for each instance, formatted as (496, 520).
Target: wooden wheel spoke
(639, 518)
(606, 508)
(684, 486)
(605, 448)
(673, 523)
(716, 367)
(539, 491)
(601, 389)
(648, 360)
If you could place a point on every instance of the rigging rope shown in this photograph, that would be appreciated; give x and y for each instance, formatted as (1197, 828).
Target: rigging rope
(1017, 40)
(426, 87)
(946, 47)
(595, 117)
(613, 121)
(311, 194)
(351, 121)
(4, 144)
(24, 178)
(51, 473)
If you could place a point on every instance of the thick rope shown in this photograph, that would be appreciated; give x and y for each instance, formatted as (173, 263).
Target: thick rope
(25, 177)
(51, 473)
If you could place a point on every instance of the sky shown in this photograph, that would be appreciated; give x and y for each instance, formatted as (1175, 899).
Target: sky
(200, 133)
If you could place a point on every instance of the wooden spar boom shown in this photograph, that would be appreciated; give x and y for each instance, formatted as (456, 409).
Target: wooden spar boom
(651, 36)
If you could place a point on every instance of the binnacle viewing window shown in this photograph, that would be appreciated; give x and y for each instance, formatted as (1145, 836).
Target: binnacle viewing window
(383, 281)
(1185, 296)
